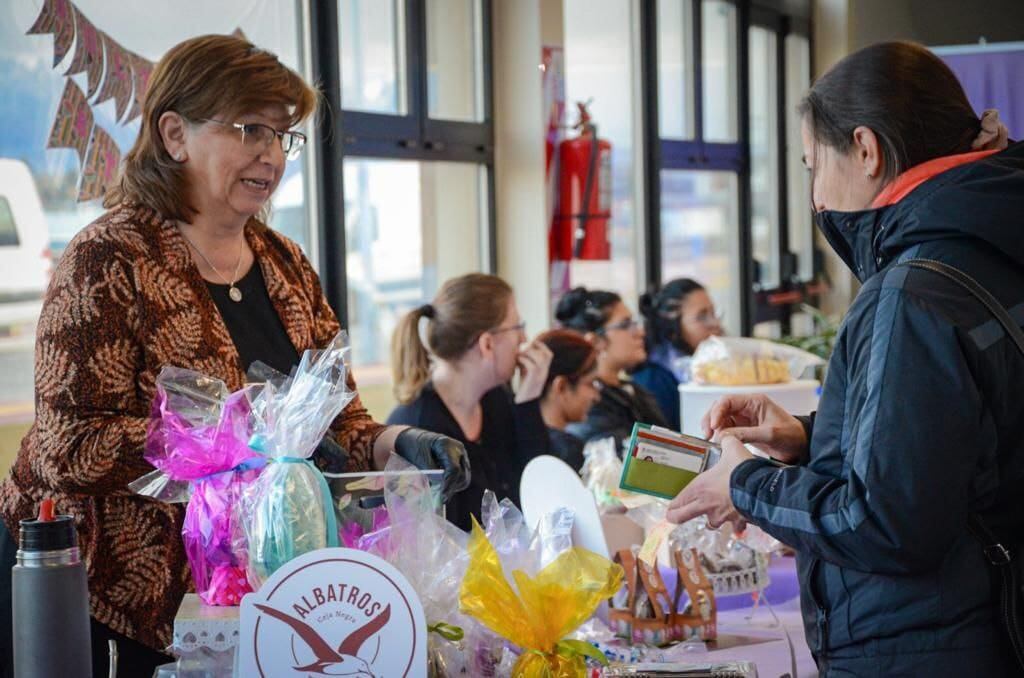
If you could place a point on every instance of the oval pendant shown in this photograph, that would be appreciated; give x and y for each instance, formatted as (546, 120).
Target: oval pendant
(235, 293)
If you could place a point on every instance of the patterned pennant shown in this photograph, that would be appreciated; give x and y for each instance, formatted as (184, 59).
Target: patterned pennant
(101, 162)
(73, 124)
(141, 70)
(56, 18)
(88, 52)
(117, 78)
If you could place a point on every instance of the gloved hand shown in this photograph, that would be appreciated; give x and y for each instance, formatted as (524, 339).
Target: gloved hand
(330, 456)
(427, 450)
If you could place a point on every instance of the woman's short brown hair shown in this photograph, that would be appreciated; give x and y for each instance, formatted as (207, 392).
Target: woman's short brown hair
(202, 78)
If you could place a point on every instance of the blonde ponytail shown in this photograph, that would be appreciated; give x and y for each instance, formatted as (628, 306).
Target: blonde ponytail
(410, 361)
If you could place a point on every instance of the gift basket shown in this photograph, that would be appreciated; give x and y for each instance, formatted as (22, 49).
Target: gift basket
(647, 613)
(288, 511)
(431, 553)
(737, 361)
(733, 564)
(198, 441)
(534, 591)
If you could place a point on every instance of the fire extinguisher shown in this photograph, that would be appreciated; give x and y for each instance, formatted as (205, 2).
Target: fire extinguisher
(579, 229)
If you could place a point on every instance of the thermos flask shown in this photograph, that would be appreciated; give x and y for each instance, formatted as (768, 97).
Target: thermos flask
(50, 600)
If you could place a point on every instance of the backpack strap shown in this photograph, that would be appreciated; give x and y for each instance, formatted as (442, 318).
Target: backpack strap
(996, 552)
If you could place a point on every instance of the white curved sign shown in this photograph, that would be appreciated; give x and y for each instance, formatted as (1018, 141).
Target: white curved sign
(333, 612)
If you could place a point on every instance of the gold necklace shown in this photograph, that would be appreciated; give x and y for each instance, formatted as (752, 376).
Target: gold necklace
(233, 292)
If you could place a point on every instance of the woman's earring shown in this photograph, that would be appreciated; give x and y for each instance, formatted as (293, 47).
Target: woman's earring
(179, 157)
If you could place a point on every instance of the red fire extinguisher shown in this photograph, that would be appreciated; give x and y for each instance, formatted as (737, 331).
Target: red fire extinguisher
(579, 229)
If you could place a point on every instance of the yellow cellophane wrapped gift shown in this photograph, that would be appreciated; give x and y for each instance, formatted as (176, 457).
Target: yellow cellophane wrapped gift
(546, 608)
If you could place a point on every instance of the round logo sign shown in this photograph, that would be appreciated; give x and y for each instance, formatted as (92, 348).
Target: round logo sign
(334, 612)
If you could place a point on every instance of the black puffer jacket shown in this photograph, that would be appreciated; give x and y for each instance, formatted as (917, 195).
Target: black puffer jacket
(921, 422)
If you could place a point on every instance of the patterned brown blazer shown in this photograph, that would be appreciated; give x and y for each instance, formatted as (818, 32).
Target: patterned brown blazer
(125, 300)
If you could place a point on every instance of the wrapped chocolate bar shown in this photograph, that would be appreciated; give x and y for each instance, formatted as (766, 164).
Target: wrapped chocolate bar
(288, 511)
(198, 441)
(538, 612)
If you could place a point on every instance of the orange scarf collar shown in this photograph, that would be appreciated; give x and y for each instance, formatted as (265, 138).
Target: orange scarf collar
(901, 186)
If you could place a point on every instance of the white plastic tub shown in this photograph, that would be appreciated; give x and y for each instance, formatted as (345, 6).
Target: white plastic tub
(796, 397)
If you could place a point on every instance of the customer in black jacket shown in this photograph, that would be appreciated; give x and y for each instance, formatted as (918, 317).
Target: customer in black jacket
(457, 384)
(605, 321)
(921, 421)
(569, 391)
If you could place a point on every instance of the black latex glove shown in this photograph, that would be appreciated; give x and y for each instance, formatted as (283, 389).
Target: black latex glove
(330, 456)
(429, 451)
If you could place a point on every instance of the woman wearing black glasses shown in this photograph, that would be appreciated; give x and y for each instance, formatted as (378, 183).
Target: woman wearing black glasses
(679, 317)
(457, 384)
(603, 319)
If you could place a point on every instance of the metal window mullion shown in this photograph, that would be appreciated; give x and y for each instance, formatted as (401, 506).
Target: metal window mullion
(329, 177)
(746, 281)
(697, 18)
(651, 134)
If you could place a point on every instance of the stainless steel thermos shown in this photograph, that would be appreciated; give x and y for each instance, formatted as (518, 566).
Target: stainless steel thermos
(50, 600)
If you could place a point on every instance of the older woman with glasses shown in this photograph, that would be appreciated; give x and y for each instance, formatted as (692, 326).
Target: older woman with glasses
(182, 270)
(619, 338)
(678, 317)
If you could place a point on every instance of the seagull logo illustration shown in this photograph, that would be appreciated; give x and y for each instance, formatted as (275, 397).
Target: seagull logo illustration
(344, 661)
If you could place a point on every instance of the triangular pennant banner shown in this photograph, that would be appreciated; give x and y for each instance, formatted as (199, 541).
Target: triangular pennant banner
(73, 124)
(117, 78)
(141, 70)
(57, 18)
(101, 163)
(88, 52)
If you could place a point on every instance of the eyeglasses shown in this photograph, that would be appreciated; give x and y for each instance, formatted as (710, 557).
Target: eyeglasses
(518, 327)
(629, 324)
(706, 318)
(258, 137)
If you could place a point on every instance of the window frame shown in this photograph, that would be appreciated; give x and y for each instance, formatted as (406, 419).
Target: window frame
(412, 136)
(699, 154)
(778, 304)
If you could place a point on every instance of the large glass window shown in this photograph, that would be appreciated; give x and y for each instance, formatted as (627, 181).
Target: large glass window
(720, 76)
(372, 55)
(699, 218)
(600, 68)
(42, 183)
(400, 251)
(454, 60)
(764, 155)
(675, 69)
(416, 175)
(801, 227)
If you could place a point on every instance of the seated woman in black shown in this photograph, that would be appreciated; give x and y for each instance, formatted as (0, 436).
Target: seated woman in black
(607, 323)
(457, 384)
(569, 391)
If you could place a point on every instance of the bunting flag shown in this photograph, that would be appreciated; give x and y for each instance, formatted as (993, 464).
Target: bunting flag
(56, 17)
(101, 163)
(117, 77)
(88, 52)
(112, 72)
(73, 124)
(141, 70)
